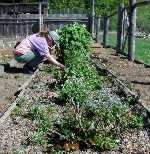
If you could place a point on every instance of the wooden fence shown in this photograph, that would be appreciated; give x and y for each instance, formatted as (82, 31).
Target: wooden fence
(26, 24)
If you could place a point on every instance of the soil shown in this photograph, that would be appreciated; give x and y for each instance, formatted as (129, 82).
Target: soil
(10, 79)
(136, 74)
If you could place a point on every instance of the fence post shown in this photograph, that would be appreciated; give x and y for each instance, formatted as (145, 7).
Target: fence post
(120, 27)
(98, 29)
(106, 28)
(132, 30)
(40, 16)
(93, 17)
(45, 14)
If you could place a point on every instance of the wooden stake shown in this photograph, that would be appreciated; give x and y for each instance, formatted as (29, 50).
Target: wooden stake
(120, 28)
(132, 30)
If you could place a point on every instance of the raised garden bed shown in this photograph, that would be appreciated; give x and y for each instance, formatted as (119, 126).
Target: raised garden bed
(75, 111)
(135, 73)
(20, 133)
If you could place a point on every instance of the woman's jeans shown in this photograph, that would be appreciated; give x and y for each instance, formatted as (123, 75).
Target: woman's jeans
(31, 59)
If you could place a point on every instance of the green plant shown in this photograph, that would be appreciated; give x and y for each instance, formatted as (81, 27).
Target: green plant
(136, 121)
(105, 142)
(97, 125)
(80, 76)
(21, 101)
(89, 115)
(41, 116)
(74, 89)
(16, 111)
(44, 118)
(38, 137)
(131, 100)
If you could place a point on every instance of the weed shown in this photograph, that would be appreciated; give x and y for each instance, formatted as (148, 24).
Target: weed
(136, 121)
(38, 138)
(16, 111)
(21, 101)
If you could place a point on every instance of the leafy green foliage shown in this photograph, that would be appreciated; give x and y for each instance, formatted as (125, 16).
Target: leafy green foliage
(16, 111)
(143, 18)
(75, 89)
(81, 76)
(38, 138)
(105, 142)
(41, 116)
(57, 73)
(20, 103)
(101, 6)
(136, 121)
(88, 116)
(58, 4)
(44, 118)
(95, 124)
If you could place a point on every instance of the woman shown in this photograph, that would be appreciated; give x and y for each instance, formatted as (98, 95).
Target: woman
(34, 48)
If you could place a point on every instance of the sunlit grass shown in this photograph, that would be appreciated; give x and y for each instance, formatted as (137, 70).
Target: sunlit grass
(142, 51)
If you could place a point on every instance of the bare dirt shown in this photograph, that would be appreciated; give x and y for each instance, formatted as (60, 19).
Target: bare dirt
(10, 79)
(138, 75)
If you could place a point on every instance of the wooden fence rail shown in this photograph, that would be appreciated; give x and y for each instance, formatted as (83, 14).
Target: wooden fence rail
(28, 24)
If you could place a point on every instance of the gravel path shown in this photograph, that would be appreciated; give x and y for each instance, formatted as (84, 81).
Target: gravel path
(10, 80)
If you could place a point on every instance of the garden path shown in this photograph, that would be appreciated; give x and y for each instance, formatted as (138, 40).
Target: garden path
(138, 75)
(10, 80)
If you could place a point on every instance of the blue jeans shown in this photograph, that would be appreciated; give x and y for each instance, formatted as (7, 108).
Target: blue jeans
(30, 58)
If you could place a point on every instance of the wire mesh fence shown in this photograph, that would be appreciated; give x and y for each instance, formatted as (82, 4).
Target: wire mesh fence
(112, 33)
(143, 34)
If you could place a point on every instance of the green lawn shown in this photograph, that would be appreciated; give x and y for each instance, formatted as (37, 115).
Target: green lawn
(142, 47)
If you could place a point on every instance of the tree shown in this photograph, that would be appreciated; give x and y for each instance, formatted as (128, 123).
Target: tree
(101, 6)
(60, 4)
(107, 6)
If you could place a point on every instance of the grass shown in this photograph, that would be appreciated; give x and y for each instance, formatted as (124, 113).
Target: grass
(142, 51)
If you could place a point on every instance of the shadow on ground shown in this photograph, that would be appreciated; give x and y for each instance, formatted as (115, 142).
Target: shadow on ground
(6, 68)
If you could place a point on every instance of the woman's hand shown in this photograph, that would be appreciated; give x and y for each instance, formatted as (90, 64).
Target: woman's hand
(61, 66)
(52, 60)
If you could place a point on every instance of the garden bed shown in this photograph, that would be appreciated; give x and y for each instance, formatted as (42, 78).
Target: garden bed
(81, 109)
(18, 133)
(135, 73)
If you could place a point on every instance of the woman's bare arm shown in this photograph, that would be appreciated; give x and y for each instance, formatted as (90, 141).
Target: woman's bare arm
(52, 60)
